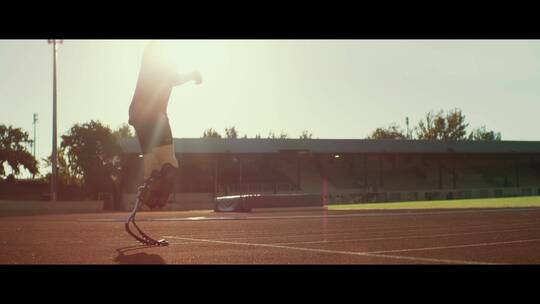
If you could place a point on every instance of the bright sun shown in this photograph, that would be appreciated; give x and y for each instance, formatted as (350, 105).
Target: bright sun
(193, 55)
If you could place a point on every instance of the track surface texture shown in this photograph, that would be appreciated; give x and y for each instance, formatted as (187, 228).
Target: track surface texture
(473, 236)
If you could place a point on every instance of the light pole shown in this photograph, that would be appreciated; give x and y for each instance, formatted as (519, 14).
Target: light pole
(407, 123)
(54, 176)
(34, 122)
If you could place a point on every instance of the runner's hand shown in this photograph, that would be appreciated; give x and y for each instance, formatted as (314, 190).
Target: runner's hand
(196, 76)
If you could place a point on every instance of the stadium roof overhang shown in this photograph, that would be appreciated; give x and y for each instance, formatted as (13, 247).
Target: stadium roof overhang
(312, 146)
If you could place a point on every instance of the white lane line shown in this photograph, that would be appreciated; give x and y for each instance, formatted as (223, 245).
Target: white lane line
(369, 239)
(367, 254)
(522, 226)
(406, 237)
(456, 246)
(378, 214)
(374, 231)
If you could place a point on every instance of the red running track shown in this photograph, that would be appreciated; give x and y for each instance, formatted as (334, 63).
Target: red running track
(490, 236)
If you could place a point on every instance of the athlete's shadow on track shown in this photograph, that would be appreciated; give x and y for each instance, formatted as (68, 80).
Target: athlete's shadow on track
(138, 258)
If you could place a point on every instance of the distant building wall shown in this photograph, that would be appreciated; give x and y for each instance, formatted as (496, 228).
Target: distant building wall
(349, 177)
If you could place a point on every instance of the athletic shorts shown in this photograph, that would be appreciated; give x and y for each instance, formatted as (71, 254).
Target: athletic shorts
(152, 132)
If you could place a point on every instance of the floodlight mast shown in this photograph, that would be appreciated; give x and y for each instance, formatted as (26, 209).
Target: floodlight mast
(54, 155)
(34, 122)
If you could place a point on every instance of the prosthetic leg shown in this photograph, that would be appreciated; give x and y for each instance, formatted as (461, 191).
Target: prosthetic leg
(155, 138)
(142, 192)
(147, 114)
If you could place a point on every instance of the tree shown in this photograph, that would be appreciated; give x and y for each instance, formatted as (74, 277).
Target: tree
(91, 151)
(440, 126)
(272, 135)
(231, 132)
(437, 126)
(13, 151)
(482, 134)
(283, 135)
(305, 135)
(393, 131)
(211, 133)
(123, 131)
(65, 175)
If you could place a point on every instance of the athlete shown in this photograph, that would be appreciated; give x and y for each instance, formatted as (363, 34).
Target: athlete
(148, 115)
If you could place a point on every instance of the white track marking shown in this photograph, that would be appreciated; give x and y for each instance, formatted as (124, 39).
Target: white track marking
(366, 254)
(406, 237)
(456, 246)
(376, 231)
(368, 214)
(378, 214)
(372, 238)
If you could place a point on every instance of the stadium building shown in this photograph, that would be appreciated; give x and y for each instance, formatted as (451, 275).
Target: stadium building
(342, 171)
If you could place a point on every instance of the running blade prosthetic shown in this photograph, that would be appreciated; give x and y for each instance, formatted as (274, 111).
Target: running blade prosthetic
(142, 191)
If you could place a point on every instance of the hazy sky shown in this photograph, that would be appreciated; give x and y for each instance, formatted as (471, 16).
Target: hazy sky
(334, 89)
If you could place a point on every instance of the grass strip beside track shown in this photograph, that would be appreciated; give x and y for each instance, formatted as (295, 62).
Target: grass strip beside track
(506, 202)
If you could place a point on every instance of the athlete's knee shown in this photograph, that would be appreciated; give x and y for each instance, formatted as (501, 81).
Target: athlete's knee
(165, 155)
(150, 164)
